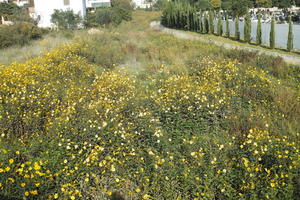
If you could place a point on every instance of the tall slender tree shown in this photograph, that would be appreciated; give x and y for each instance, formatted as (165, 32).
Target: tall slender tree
(206, 24)
(227, 27)
(258, 31)
(247, 28)
(290, 44)
(237, 28)
(200, 22)
(211, 22)
(220, 24)
(272, 34)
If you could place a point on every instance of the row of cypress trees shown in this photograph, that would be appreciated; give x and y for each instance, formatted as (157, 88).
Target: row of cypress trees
(182, 15)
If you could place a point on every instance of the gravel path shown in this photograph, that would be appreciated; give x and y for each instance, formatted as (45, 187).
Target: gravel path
(185, 35)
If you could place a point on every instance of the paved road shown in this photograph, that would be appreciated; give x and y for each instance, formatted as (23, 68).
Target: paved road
(186, 35)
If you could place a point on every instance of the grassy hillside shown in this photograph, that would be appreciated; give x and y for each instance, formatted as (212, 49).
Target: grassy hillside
(130, 113)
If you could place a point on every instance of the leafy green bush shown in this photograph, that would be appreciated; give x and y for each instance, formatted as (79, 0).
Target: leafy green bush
(22, 15)
(102, 16)
(8, 8)
(95, 49)
(120, 11)
(19, 34)
(65, 19)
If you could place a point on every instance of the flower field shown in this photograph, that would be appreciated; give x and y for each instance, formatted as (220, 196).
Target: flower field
(200, 127)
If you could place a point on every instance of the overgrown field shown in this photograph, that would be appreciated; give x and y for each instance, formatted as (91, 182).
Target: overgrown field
(130, 113)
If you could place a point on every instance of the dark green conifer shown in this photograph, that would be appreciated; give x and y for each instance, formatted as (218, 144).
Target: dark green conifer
(227, 27)
(247, 28)
(237, 28)
(206, 24)
(258, 31)
(272, 34)
(290, 44)
(211, 22)
(220, 24)
(200, 22)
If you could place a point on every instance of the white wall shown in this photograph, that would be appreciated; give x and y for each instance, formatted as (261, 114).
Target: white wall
(44, 9)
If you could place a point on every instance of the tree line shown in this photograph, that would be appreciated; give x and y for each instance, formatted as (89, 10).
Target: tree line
(240, 7)
(186, 16)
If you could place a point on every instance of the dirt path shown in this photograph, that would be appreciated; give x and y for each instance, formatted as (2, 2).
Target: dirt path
(185, 35)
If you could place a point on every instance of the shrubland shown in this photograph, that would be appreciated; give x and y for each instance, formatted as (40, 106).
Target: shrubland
(131, 113)
(19, 34)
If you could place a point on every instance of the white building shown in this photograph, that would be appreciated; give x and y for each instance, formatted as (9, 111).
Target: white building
(44, 9)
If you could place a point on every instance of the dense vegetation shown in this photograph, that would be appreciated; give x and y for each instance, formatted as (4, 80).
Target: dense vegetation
(23, 29)
(119, 11)
(19, 34)
(238, 7)
(186, 16)
(130, 113)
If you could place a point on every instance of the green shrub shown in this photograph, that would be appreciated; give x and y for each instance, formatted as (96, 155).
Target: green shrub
(22, 15)
(120, 11)
(65, 19)
(102, 16)
(19, 34)
(8, 8)
(95, 49)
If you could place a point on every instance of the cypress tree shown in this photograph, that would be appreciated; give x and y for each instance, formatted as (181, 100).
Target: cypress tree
(200, 22)
(205, 24)
(220, 24)
(187, 15)
(237, 30)
(258, 31)
(290, 44)
(247, 28)
(272, 34)
(227, 27)
(211, 22)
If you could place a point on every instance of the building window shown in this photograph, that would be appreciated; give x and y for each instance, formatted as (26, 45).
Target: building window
(66, 2)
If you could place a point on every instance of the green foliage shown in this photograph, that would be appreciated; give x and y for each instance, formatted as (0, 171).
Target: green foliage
(247, 29)
(264, 3)
(227, 27)
(272, 34)
(239, 8)
(206, 24)
(19, 34)
(8, 8)
(102, 16)
(290, 41)
(220, 24)
(65, 19)
(120, 11)
(237, 29)
(200, 21)
(186, 121)
(211, 22)
(21, 15)
(95, 49)
(203, 4)
(258, 31)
